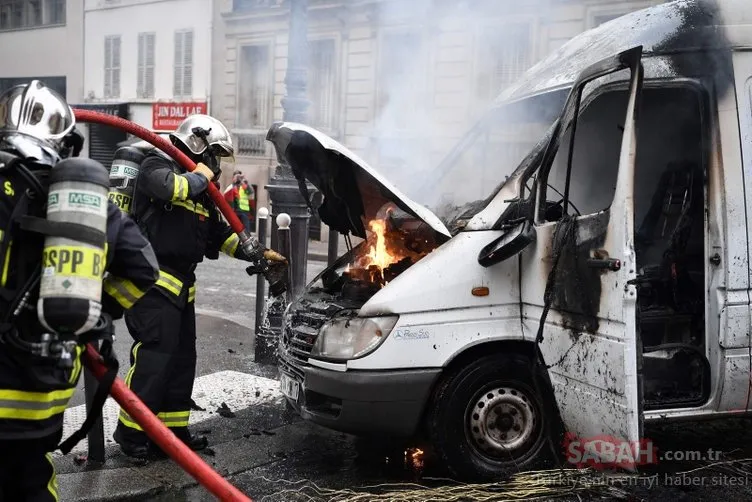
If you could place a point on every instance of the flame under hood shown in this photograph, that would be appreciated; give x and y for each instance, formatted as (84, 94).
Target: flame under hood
(353, 191)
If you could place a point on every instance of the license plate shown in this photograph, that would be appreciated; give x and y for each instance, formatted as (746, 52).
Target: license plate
(289, 387)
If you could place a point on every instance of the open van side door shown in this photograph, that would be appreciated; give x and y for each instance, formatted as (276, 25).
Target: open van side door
(577, 298)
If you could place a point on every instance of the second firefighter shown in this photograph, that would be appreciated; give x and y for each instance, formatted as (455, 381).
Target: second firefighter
(175, 212)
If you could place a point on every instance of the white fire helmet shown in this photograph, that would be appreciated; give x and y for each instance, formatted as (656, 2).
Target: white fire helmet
(36, 110)
(218, 136)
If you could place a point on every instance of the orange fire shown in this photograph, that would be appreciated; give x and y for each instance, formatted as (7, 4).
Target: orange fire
(378, 254)
(384, 247)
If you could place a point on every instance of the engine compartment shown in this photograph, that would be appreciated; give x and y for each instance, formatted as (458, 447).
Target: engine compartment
(396, 241)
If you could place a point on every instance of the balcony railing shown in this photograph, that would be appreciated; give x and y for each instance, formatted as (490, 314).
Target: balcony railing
(252, 143)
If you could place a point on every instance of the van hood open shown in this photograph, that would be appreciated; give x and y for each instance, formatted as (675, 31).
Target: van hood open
(353, 191)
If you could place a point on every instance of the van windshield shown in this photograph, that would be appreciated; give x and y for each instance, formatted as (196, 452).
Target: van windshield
(488, 154)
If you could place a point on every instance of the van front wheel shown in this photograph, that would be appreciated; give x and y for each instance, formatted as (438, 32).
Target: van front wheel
(488, 420)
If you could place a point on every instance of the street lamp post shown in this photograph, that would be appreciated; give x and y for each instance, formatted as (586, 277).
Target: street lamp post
(283, 188)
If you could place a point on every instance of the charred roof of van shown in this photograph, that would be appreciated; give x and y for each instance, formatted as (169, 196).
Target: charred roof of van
(671, 28)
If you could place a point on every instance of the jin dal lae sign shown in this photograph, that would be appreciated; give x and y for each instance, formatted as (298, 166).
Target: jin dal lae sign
(168, 116)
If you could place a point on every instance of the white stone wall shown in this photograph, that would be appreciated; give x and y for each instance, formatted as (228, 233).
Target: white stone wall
(128, 18)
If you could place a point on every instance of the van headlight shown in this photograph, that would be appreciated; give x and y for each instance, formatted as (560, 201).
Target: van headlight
(350, 338)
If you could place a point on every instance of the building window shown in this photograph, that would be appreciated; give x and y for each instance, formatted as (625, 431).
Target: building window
(321, 80)
(112, 66)
(400, 73)
(145, 87)
(19, 14)
(183, 84)
(254, 90)
(504, 55)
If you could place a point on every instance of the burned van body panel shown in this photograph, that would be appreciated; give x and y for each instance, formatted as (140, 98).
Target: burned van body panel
(671, 28)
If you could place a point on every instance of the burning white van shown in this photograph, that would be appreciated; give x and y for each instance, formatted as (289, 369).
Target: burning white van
(604, 282)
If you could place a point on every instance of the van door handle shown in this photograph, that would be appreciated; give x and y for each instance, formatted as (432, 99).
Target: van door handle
(611, 264)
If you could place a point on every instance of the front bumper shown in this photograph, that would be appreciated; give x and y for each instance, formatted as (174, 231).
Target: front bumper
(366, 402)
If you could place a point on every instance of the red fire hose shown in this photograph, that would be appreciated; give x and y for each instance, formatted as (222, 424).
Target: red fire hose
(138, 411)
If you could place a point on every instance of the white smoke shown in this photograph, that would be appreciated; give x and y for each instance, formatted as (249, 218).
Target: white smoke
(435, 86)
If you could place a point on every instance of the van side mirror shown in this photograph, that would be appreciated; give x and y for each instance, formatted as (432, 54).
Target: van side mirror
(509, 244)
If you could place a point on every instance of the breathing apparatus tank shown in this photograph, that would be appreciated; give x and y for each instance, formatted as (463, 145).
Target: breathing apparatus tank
(70, 291)
(123, 175)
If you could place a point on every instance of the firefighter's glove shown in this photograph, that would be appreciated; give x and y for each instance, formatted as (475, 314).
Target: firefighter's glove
(273, 256)
(205, 171)
(275, 273)
(273, 266)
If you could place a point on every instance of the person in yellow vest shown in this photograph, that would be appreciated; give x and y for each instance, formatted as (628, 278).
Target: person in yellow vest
(239, 195)
(245, 197)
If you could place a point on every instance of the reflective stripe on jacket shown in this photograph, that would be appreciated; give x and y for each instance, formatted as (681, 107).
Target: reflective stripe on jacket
(176, 287)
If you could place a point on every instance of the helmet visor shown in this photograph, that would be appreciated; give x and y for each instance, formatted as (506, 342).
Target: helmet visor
(35, 110)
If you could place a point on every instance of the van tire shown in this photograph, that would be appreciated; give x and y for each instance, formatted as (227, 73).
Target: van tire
(474, 445)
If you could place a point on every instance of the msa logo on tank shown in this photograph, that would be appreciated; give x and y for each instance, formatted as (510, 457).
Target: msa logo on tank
(77, 200)
(123, 170)
(85, 199)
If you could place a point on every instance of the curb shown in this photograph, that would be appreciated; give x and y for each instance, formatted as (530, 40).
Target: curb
(317, 257)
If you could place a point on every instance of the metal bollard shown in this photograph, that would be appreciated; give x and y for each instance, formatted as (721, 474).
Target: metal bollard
(285, 248)
(96, 434)
(333, 249)
(263, 215)
(267, 337)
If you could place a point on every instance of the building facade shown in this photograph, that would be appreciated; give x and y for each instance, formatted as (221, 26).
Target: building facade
(147, 60)
(42, 39)
(396, 82)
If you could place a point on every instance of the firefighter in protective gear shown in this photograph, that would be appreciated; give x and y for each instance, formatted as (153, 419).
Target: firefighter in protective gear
(176, 213)
(37, 129)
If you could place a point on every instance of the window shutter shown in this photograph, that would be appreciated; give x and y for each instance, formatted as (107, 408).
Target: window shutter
(116, 67)
(149, 70)
(141, 66)
(254, 91)
(188, 64)
(107, 67)
(321, 82)
(177, 87)
(505, 55)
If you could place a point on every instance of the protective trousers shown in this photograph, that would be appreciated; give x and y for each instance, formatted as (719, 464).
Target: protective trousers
(27, 473)
(163, 363)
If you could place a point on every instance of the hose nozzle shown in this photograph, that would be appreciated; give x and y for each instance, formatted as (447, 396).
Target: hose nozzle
(267, 262)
